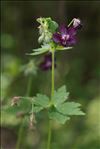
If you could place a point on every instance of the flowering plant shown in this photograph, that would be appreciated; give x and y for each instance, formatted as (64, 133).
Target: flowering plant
(52, 39)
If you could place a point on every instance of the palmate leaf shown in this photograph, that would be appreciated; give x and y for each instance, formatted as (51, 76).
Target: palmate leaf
(57, 116)
(24, 105)
(60, 96)
(70, 108)
(62, 109)
(37, 108)
(43, 49)
(40, 102)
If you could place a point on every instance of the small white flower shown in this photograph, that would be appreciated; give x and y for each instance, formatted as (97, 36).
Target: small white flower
(76, 22)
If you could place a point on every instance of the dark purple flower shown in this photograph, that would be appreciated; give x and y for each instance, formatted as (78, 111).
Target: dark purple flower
(47, 62)
(66, 36)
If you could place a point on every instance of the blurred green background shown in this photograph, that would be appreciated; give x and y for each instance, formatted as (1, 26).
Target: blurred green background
(78, 68)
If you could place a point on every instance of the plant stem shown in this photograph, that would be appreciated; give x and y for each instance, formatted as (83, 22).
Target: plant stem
(21, 129)
(49, 135)
(53, 65)
(29, 86)
(70, 23)
(52, 93)
(20, 134)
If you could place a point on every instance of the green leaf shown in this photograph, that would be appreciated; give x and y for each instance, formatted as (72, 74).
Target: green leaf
(52, 25)
(48, 23)
(70, 108)
(46, 29)
(41, 100)
(61, 109)
(41, 50)
(37, 108)
(61, 48)
(24, 105)
(60, 96)
(55, 115)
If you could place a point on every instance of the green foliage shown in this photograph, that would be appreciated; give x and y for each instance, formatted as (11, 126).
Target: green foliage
(62, 109)
(23, 105)
(52, 25)
(61, 48)
(59, 117)
(46, 28)
(60, 96)
(48, 48)
(43, 49)
(70, 108)
(41, 100)
(58, 109)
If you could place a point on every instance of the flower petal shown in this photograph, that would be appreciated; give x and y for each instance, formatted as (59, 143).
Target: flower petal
(46, 64)
(56, 38)
(63, 29)
(71, 41)
(71, 31)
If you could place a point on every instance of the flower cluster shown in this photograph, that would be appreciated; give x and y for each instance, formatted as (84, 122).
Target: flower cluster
(66, 36)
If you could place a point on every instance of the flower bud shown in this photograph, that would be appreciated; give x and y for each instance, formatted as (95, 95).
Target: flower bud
(77, 23)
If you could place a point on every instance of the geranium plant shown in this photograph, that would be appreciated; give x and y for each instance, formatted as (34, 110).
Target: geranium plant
(53, 38)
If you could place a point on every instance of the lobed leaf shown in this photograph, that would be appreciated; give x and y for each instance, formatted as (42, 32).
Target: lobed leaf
(59, 117)
(43, 49)
(70, 108)
(60, 96)
(24, 105)
(41, 100)
(37, 108)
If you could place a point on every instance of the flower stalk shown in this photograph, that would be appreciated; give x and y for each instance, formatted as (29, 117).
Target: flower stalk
(52, 93)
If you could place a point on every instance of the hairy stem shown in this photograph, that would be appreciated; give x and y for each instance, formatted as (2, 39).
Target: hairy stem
(52, 93)
(21, 129)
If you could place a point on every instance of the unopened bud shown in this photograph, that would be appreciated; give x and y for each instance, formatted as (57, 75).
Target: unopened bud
(77, 23)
